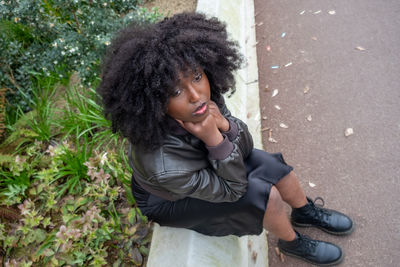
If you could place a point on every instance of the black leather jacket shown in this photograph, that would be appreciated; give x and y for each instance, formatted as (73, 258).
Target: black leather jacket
(185, 167)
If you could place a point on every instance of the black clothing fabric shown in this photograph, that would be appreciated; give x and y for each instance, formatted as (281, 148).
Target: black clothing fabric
(241, 217)
(183, 166)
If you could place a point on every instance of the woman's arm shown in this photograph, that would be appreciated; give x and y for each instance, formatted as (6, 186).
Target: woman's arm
(225, 179)
(238, 132)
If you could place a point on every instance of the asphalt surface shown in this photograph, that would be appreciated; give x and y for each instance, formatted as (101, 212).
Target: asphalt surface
(348, 88)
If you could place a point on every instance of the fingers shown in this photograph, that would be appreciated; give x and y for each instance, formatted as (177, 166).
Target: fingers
(180, 123)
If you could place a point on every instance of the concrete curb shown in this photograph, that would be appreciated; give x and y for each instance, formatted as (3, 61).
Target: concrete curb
(239, 17)
(173, 247)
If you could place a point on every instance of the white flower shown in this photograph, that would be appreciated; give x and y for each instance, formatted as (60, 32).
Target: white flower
(55, 62)
(103, 158)
(62, 53)
(92, 22)
(107, 43)
(18, 160)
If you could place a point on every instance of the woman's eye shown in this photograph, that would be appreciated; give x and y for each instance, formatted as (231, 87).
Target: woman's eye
(198, 77)
(177, 92)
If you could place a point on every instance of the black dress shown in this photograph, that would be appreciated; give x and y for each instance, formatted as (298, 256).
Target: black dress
(242, 217)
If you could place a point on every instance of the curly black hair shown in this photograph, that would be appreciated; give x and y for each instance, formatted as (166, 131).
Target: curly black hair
(142, 65)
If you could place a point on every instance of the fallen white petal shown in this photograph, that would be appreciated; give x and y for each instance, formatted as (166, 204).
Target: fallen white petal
(360, 48)
(272, 140)
(282, 125)
(332, 12)
(275, 92)
(277, 107)
(287, 65)
(302, 12)
(311, 184)
(306, 89)
(309, 118)
(317, 12)
(264, 118)
(348, 132)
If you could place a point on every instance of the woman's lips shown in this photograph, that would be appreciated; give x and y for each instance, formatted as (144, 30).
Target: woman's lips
(201, 109)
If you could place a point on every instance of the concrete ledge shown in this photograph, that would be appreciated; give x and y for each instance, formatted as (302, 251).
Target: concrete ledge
(173, 247)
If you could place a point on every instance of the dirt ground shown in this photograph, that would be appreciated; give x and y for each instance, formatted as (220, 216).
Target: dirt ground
(171, 7)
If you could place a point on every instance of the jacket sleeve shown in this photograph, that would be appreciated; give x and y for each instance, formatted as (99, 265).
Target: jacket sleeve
(238, 132)
(225, 178)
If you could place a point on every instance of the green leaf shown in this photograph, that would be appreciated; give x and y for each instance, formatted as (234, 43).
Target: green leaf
(46, 244)
(132, 216)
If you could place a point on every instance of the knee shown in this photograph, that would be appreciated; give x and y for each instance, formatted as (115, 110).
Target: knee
(275, 202)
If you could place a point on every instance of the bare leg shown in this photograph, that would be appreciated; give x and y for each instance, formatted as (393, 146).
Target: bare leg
(276, 221)
(275, 218)
(291, 191)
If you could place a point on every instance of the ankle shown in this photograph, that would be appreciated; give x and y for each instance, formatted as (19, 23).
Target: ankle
(302, 209)
(292, 237)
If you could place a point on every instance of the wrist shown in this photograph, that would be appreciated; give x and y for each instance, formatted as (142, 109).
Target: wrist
(215, 139)
(224, 126)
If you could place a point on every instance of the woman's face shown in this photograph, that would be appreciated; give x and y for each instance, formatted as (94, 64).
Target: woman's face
(189, 100)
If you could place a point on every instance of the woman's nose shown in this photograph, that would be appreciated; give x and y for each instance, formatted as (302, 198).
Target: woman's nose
(194, 94)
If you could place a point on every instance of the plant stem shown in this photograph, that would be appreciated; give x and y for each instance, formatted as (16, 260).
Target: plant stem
(77, 22)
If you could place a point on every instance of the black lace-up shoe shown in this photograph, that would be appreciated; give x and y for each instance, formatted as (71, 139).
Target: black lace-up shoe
(313, 251)
(330, 221)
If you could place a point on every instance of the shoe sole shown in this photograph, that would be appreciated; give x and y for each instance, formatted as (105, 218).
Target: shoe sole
(323, 229)
(338, 261)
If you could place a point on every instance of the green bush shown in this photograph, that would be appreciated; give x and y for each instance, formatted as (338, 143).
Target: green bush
(54, 38)
(93, 225)
(65, 196)
(64, 200)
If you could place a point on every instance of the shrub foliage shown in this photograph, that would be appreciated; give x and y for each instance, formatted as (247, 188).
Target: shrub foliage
(65, 198)
(56, 38)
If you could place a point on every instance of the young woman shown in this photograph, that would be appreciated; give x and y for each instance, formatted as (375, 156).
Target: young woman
(194, 165)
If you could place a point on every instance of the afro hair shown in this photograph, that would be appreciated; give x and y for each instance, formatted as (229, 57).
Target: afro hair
(142, 65)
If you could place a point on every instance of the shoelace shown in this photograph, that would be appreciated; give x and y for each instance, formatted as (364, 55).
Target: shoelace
(307, 243)
(319, 211)
(318, 205)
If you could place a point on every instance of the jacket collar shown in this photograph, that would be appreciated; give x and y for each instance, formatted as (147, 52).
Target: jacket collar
(175, 127)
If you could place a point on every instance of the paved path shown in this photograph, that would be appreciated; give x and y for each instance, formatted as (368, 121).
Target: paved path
(358, 174)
